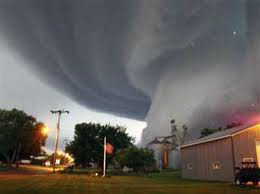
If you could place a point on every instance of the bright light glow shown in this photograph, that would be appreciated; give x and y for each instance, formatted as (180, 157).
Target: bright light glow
(47, 163)
(45, 130)
(60, 153)
(57, 162)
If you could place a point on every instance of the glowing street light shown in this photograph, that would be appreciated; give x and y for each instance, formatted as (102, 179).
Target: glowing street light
(45, 130)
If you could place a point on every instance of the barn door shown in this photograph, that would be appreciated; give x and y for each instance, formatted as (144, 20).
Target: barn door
(258, 151)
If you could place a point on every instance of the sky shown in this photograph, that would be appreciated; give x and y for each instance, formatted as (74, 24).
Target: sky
(193, 61)
(25, 91)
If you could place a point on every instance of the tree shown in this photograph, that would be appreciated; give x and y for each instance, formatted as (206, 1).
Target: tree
(232, 125)
(19, 135)
(33, 140)
(136, 158)
(87, 145)
(208, 131)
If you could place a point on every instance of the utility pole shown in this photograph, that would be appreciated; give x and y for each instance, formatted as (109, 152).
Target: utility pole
(59, 112)
(105, 157)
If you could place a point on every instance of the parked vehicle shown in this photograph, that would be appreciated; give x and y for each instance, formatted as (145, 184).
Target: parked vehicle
(248, 173)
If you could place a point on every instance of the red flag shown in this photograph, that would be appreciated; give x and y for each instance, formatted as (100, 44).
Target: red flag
(109, 148)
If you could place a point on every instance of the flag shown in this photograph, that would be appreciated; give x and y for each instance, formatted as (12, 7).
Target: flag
(109, 148)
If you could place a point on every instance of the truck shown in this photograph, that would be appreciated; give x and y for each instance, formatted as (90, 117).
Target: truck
(248, 173)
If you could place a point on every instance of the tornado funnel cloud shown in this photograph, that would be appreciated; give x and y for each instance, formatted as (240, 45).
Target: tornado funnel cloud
(194, 61)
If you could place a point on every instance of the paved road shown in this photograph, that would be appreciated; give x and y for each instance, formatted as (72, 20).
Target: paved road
(35, 169)
(28, 170)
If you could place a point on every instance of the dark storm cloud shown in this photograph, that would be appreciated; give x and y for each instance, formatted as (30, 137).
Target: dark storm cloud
(129, 57)
(77, 48)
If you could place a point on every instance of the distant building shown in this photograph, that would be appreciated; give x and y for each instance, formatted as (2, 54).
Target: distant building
(215, 157)
(166, 148)
(166, 153)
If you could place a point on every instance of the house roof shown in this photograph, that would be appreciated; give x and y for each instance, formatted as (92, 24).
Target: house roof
(220, 135)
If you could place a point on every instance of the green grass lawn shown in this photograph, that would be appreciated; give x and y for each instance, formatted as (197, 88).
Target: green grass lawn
(169, 182)
(3, 169)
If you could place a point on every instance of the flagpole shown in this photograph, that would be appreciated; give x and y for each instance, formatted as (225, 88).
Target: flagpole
(104, 165)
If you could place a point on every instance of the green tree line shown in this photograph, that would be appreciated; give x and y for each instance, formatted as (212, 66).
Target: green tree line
(20, 136)
(88, 144)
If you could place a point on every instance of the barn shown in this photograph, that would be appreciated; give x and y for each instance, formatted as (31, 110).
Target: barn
(215, 157)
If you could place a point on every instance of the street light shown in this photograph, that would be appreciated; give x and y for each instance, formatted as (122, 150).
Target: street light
(45, 130)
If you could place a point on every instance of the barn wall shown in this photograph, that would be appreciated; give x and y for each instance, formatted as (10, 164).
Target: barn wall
(244, 144)
(202, 156)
